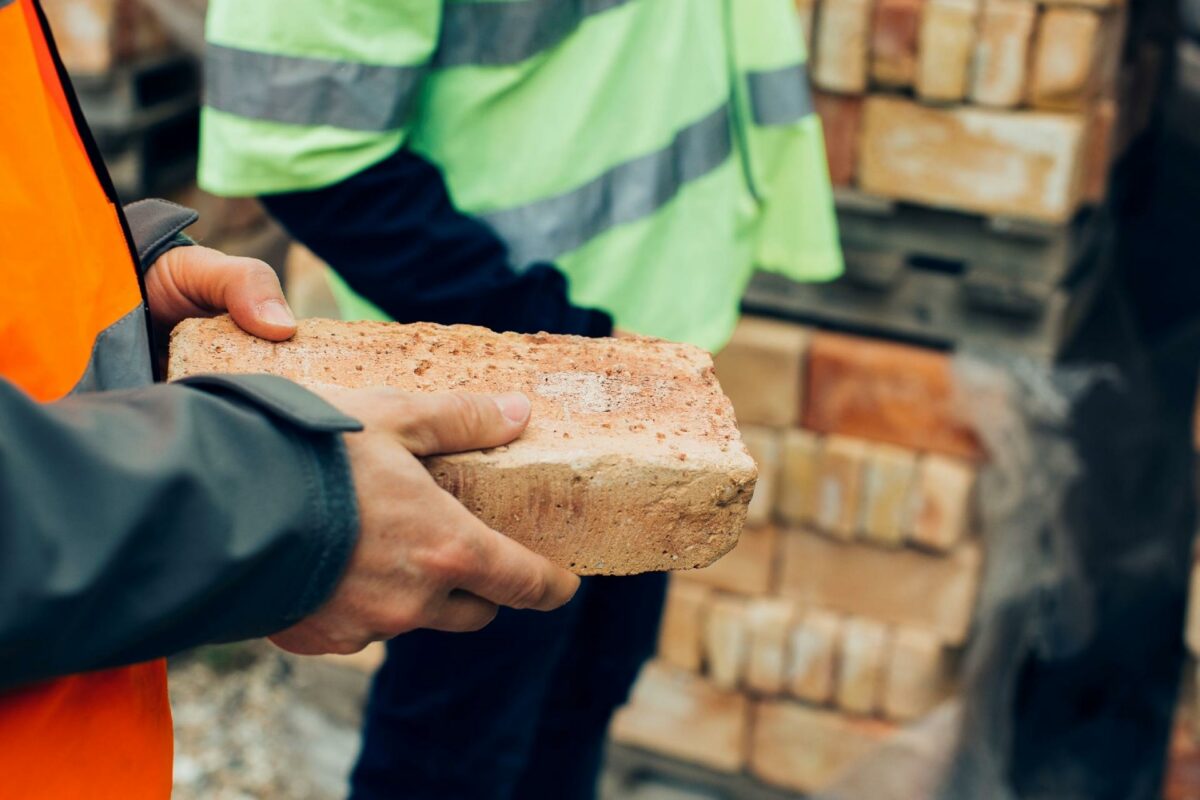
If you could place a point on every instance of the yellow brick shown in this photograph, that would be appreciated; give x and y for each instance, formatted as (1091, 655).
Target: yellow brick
(1067, 59)
(842, 44)
(861, 663)
(839, 486)
(1002, 55)
(812, 655)
(762, 371)
(797, 494)
(887, 493)
(681, 633)
(726, 641)
(764, 445)
(946, 46)
(917, 674)
(769, 622)
(749, 568)
(943, 501)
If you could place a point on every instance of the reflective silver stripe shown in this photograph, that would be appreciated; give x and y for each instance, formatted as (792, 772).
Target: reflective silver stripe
(308, 91)
(780, 96)
(546, 229)
(120, 356)
(497, 33)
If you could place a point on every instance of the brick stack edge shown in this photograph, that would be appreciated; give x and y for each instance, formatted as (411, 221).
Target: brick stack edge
(843, 612)
(998, 107)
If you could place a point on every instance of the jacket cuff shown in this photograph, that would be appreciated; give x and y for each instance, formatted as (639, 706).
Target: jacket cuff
(157, 226)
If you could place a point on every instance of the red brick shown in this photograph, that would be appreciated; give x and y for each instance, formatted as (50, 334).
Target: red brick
(841, 118)
(895, 34)
(885, 392)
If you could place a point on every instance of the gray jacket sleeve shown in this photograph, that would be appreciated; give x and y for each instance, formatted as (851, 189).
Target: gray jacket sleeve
(136, 524)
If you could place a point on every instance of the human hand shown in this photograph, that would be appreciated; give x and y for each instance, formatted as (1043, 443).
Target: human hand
(198, 281)
(422, 560)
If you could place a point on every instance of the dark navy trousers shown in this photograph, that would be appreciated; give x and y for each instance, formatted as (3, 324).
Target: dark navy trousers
(517, 711)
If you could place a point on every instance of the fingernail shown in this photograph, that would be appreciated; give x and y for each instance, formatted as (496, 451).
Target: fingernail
(513, 406)
(275, 312)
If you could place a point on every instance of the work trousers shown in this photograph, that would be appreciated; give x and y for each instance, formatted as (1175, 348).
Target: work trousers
(517, 711)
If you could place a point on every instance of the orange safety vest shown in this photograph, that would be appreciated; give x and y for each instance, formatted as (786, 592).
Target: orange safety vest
(68, 274)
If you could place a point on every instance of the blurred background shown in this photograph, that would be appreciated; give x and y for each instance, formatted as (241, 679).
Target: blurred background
(1018, 184)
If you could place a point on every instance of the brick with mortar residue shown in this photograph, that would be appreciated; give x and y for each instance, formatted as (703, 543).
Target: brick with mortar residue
(839, 486)
(887, 493)
(917, 674)
(726, 641)
(812, 656)
(942, 502)
(861, 661)
(769, 620)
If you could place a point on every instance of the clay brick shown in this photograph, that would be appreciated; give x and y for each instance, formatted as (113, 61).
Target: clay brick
(798, 485)
(726, 641)
(93, 36)
(944, 494)
(839, 486)
(841, 119)
(748, 568)
(764, 445)
(631, 461)
(806, 749)
(861, 663)
(1002, 55)
(762, 370)
(681, 635)
(841, 47)
(683, 716)
(1010, 163)
(917, 674)
(769, 621)
(1066, 60)
(812, 656)
(947, 43)
(900, 587)
(895, 36)
(1101, 150)
(885, 392)
(887, 493)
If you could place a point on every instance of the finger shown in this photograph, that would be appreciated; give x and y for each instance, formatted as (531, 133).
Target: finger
(455, 422)
(251, 293)
(509, 574)
(463, 613)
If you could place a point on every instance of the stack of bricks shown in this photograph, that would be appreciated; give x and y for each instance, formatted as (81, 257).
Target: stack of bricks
(94, 36)
(1010, 108)
(843, 611)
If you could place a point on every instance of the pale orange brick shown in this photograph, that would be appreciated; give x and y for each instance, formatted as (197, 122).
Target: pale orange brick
(806, 749)
(917, 674)
(945, 490)
(841, 46)
(770, 621)
(749, 568)
(885, 392)
(681, 634)
(839, 486)
(947, 42)
(841, 118)
(1002, 55)
(726, 641)
(681, 715)
(861, 661)
(901, 587)
(1067, 59)
(895, 34)
(798, 492)
(764, 445)
(1024, 164)
(812, 656)
(887, 493)
(762, 370)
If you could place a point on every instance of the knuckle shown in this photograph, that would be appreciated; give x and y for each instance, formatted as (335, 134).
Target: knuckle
(530, 590)
(453, 560)
(465, 412)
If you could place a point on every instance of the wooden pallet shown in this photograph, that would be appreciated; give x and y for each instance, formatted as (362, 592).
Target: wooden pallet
(944, 279)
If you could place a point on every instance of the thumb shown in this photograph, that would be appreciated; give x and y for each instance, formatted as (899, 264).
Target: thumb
(429, 424)
(252, 295)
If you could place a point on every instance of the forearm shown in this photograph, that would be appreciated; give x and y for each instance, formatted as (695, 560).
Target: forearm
(393, 233)
(137, 524)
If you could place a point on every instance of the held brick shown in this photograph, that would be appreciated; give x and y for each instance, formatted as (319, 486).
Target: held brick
(764, 445)
(841, 119)
(887, 493)
(1002, 55)
(681, 634)
(885, 392)
(947, 43)
(726, 641)
(943, 501)
(812, 656)
(861, 665)
(917, 674)
(750, 568)
(839, 486)
(1067, 59)
(683, 716)
(1024, 164)
(762, 369)
(806, 749)
(631, 461)
(900, 587)
(769, 621)
(798, 492)
(841, 47)
(895, 36)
